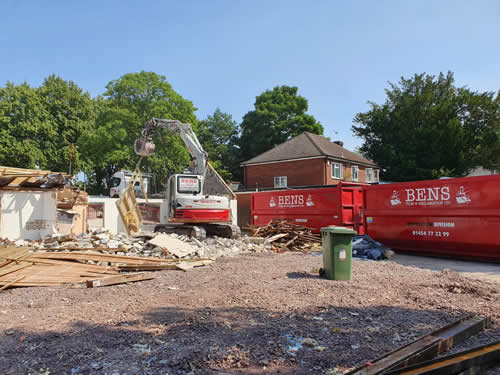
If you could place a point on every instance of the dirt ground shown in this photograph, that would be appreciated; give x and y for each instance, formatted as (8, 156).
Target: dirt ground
(477, 270)
(242, 315)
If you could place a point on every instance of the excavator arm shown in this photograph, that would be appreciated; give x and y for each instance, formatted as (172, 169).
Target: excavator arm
(144, 145)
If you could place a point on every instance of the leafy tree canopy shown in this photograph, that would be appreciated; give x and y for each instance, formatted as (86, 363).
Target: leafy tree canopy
(217, 135)
(128, 102)
(279, 115)
(428, 128)
(38, 125)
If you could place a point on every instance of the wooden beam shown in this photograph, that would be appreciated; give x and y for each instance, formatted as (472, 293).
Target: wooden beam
(113, 280)
(11, 283)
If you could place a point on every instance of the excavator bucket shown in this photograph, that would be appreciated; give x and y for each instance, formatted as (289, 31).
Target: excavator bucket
(144, 147)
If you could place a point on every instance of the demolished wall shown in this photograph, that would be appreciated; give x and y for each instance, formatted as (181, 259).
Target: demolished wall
(29, 215)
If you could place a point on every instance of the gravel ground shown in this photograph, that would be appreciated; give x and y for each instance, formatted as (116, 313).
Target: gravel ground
(241, 315)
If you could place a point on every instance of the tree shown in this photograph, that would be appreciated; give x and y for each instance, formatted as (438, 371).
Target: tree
(128, 102)
(107, 148)
(38, 125)
(428, 128)
(279, 114)
(71, 113)
(217, 135)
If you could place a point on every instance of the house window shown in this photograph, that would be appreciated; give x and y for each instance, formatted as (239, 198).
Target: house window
(354, 171)
(369, 175)
(337, 170)
(280, 182)
(377, 176)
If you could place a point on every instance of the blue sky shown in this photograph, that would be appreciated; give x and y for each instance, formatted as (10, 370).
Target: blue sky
(224, 53)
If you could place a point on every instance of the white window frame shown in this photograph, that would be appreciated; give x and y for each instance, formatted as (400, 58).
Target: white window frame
(341, 170)
(370, 175)
(354, 172)
(280, 182)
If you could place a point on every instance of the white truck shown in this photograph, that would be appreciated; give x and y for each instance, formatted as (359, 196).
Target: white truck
(122, 178)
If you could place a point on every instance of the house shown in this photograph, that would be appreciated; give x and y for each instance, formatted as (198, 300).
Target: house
(307, 159)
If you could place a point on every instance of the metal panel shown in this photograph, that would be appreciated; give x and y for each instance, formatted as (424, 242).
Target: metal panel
(456, 217)
(313, 207)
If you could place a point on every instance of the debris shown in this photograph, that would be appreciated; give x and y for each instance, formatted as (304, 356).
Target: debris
(119, 279)
(173, 245)
(70, 259)
(425, 347)
(363, 246)
(474, 361)
(284, 236)
(310, 342)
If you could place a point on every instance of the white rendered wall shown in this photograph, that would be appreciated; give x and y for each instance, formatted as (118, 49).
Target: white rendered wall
(28, 215)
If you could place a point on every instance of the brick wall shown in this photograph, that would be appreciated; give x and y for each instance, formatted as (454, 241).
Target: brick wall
(298, 173)
(347, 173)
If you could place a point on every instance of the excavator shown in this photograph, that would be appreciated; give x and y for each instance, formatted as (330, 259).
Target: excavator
(190, 210)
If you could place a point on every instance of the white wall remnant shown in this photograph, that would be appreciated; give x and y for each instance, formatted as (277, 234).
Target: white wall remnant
(28, 215)
(111, 219)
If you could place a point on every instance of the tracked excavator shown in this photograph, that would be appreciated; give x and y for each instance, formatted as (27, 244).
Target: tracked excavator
(190, 211)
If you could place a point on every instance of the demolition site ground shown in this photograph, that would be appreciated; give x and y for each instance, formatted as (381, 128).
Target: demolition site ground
(249, 314)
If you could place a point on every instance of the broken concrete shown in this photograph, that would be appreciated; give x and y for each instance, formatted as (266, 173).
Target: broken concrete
(173, 245)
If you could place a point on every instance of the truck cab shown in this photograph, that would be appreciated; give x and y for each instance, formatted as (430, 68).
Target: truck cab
(120, 181)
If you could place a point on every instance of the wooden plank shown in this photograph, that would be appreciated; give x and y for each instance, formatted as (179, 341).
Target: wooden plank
(96, 257)
(147, 267)
(14, 268)
(11, 283)
(73, 265)
(114, 280)
(184, 266)
(425, 347)
(276, 237)
(479, 358)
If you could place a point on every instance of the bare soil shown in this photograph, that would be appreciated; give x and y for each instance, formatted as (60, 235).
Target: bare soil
(242, 315)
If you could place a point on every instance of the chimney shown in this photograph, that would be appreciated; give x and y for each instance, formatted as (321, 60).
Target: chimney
(340, 143)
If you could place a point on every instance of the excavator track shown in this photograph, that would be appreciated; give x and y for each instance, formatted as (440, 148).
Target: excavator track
(223, 230)
(196, 231)
(200, 231)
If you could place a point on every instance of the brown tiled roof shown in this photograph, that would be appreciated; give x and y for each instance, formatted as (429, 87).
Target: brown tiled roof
(307, 145)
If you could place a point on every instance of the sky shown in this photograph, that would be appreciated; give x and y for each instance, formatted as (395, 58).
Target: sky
(224, 53)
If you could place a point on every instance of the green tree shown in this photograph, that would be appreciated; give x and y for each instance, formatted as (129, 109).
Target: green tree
(217, 135)
(279, 114)
(71, 113)
(107, 148)
(38, 125)
(428, 128)
(128, 102)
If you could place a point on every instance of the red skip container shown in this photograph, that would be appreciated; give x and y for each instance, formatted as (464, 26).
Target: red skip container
(315, 208)
(457, 217)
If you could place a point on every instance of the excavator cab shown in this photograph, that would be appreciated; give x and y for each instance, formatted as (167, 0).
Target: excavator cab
(188, 204)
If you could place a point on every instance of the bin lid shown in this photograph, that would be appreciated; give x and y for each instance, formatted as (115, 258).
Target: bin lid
(338, 230)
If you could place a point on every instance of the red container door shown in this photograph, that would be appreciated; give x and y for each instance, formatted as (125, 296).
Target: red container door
(352, 208)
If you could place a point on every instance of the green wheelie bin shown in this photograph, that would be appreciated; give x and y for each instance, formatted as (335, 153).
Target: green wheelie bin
(337, 252)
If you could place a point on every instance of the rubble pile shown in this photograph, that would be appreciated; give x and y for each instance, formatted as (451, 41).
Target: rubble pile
(146, 244)
(285, 236)
(101, 258)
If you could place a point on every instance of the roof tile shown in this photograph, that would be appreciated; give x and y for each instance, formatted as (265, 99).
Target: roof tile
(307, 145)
